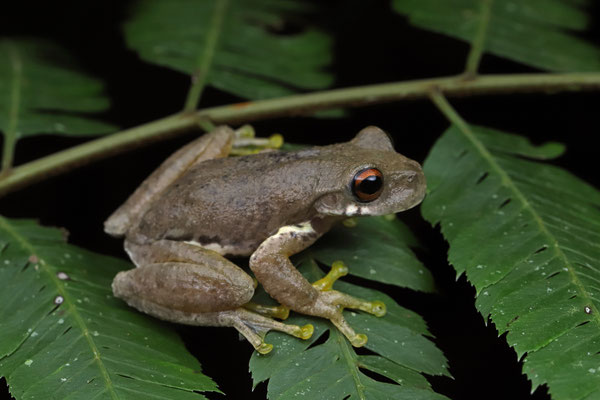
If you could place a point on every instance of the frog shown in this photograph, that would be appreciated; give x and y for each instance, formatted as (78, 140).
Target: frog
(200, 210)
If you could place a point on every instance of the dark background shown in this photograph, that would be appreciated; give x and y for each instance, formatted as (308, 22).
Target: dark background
(373, 45)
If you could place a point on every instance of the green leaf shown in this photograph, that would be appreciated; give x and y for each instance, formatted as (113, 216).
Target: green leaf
(333, 370)
(527, 235)
(541, 33)
(378, 249)
(64, 335)
(43, 92)
(233, 45)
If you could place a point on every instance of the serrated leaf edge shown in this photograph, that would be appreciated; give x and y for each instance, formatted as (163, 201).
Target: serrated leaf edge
(67, 302)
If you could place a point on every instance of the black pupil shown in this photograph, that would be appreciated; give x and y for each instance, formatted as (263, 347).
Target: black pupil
(370, 185)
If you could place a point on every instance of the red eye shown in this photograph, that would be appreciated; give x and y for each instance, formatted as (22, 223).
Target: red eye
(367, 184)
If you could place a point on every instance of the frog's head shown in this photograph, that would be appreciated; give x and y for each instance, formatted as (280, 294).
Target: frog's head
(372, 178)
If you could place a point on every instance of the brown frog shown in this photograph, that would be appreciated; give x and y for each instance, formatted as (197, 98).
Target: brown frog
(200, 206)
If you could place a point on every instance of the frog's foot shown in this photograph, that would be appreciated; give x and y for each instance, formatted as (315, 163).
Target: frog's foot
(254, 328)
(279, 312)
(331, 303)
(245, 142)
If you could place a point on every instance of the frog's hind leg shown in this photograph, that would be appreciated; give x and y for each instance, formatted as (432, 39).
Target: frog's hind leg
(216, 144)
(188, 284)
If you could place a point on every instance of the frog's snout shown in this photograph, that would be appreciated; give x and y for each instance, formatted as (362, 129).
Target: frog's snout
(414, 184)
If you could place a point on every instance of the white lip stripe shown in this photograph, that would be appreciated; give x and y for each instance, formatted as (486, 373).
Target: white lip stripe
(351, 209)
(304, 227)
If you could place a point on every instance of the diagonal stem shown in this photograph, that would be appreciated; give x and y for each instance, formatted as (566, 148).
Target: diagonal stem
(292, 105)
(478, 42)
(206, 57)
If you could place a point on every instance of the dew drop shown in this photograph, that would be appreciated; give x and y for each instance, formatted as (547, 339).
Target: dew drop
(62, 276)
(58, 300)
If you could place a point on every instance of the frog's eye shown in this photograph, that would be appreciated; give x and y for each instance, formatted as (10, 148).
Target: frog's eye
(367, 184)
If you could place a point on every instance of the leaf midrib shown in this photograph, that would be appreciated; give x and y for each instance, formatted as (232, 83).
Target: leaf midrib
(206, 57)
(478, 42)
(67, 301)
(10, 135)
(508, 182)
(350, 361)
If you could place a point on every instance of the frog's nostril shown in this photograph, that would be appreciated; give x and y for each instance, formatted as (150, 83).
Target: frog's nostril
(413, 176)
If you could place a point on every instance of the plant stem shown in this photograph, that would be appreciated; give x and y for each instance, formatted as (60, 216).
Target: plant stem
(290, 106)
(476, 51)
(449, 112)
(206, 57)
(10, 136)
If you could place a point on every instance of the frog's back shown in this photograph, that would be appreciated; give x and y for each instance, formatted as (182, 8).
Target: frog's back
(232, 204)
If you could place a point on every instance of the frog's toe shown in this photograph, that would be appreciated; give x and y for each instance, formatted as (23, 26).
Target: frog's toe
(359, 340)
(305, 332)
(245, 142)
(280, 312)
(264, 348)
(356, 339)
(343, 300)
(377, 308)
(338, 269)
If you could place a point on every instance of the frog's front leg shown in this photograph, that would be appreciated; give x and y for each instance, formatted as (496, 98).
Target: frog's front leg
(187, 284)
(273, 268)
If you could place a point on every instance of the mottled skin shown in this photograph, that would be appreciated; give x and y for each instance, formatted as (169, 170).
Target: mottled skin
(200, 206)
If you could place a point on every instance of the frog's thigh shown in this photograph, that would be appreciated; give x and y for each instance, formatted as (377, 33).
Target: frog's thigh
(187, 284)
(216, 144)
(177, 276)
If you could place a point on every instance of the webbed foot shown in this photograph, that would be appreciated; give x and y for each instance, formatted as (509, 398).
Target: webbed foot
(331, 303)
(254, 327)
